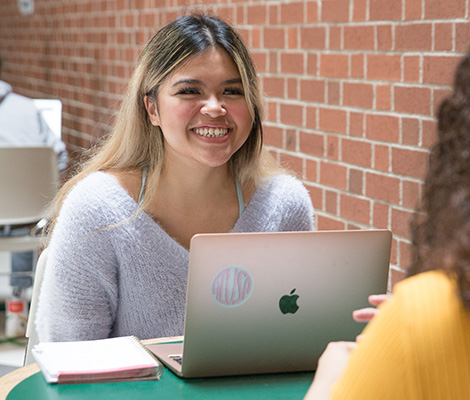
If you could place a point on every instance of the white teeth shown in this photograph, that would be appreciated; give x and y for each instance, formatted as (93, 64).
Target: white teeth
(211, 132)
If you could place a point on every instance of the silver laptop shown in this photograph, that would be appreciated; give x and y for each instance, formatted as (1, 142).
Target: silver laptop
(271, 302)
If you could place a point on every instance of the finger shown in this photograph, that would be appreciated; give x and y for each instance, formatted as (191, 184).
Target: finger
(377, 299)
(364, 314)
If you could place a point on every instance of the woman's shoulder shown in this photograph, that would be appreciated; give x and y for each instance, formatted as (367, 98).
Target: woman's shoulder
(428, 296)
(286, 189)
(283, 182)
(98, 194)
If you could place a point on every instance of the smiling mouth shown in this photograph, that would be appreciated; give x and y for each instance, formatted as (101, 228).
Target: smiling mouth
(211, 132)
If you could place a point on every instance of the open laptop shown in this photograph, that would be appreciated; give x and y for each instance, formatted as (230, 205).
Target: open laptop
(271, 302)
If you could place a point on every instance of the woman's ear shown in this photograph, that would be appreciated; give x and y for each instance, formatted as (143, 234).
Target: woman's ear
(151, 106)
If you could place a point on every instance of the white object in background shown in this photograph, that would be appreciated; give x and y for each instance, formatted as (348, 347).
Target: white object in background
(26, 6)
(16, 317)
(51, 110)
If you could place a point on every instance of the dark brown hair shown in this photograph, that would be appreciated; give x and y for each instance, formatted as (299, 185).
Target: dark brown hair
(441, 226)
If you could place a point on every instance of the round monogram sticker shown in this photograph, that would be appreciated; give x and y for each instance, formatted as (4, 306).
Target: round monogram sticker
(232, 286)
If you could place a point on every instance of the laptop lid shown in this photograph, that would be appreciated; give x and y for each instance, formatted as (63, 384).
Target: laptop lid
(271, 302)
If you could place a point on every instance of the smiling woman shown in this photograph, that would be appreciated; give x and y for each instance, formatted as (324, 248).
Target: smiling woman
(186, 156)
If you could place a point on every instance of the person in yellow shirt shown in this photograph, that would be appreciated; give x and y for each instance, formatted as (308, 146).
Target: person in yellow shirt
(418, 345)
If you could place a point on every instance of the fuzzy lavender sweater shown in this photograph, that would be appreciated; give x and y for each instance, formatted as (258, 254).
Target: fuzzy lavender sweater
(131, 279)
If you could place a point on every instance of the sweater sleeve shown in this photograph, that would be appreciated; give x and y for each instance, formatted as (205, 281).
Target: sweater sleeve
(78, 297)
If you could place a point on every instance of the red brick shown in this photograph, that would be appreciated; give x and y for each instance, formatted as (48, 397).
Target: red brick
(332, 147)
(333, 175)
(332, 120)
(429, 133)
(412, 69)
(312, 11)
(334, 38)
(357, 94)
(410, 194)
(329, 224)
(356, 124)
(356, 152)
(360, 10)
(273, 86)
(292, 63)
(335, 11)
(439, 70)
(355, 209)
(359, 37)
(355, 181)
(382, 187)
(438, 95)
(384, 37)
(414, 100)
(273, 11)
(381, 10)
(312, 69)
(383, 97)
(313, 38)
(295, 164)
(409, 162)
(272, 111)
(272, 136)
(462, 36)
(380, 215)
(413, 10)
(290, 140)
(400, 222)
(292, 89)
(442, 10)
(260, 60)
(312, 90)
(291, 114)
(273, 61)
(333, 92)
(382, 127)
(312, 144)
(311, 175)
(384, 67)
(413, 37)
(443, 33)
(357, 66)
(274, 38)
(331, 202)
(334, 65)
(293, 38)
(292, 13)
(255, 41)
(311, 117)
(410, 131)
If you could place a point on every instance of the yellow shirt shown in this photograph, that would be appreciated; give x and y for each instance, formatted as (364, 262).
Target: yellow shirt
(418, 347)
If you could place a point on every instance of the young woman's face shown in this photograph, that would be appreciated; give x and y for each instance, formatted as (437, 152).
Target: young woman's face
(202, 111)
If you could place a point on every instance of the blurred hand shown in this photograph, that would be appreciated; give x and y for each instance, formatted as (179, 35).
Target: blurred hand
(366, 314)
(330, 367)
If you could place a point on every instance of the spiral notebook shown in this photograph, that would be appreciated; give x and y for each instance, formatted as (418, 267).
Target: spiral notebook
(104, 360)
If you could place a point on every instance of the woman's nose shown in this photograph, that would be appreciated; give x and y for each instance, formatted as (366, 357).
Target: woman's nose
(213, 107)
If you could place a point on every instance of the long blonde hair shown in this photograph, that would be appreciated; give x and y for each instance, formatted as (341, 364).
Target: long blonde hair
(135, 143)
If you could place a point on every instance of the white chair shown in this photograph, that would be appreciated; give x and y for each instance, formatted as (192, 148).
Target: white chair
(31, 333)
(29, 180)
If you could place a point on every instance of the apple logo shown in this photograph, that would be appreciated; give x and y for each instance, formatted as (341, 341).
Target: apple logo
(288, 303)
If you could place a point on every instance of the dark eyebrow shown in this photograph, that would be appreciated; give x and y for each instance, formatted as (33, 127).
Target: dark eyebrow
(188, 81)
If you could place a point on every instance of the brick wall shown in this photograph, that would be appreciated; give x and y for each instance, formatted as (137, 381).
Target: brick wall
(352, 86)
